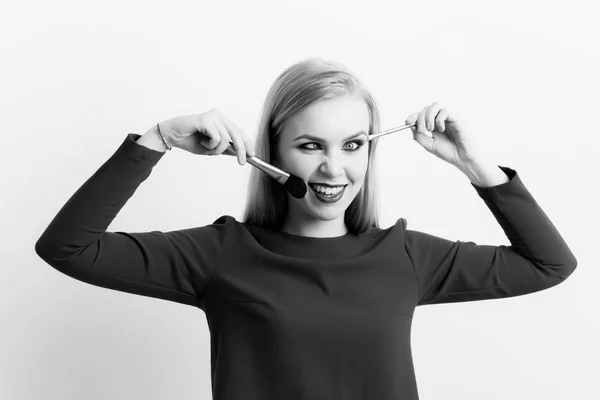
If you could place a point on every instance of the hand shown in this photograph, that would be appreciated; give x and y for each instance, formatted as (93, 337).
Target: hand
(450, 140)
(208, 133)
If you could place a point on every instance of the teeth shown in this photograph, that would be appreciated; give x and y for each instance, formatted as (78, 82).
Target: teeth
(327, 190)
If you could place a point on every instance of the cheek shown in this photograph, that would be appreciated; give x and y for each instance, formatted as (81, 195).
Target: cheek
(359, 168)
(298, 164)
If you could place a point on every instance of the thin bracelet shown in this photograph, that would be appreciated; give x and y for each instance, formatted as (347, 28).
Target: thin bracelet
(161, 136)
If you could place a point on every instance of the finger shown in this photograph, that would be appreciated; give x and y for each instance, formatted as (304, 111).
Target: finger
(237, 139)
(431, 114)
(241, 133)
(424, 140)
(421, 120)
(240, 146)
(249, 145)
(238, 143)
(225, 137)
(211, 135)
(412, 118)
(441, 118)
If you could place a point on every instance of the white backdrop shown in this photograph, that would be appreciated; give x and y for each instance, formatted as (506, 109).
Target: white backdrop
(77, 77)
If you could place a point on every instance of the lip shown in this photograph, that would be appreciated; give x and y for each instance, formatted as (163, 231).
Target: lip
(332, 200)
(328, 185)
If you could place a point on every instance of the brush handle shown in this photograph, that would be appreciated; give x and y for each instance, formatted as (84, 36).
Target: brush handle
(274, 172)
(400, 128)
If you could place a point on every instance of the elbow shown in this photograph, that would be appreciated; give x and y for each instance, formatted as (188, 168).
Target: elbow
(570, 268)
(45, 250)
(566, 269)
(41, 249)
(52, 256)
(555, 274)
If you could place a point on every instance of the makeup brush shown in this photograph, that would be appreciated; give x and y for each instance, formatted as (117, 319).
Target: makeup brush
(291, 183)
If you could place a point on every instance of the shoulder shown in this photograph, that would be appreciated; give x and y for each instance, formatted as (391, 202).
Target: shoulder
(227, 224)
(400, 226)
(218, 233)
(227, 220)
(395, 230)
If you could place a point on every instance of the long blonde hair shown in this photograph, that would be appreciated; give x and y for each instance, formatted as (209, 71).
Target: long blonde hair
(300, 85)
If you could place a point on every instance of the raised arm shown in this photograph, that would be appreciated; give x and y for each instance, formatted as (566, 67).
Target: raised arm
(168, 265)
(455, 271)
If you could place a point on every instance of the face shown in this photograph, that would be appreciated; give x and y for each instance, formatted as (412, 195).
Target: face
(326, 143)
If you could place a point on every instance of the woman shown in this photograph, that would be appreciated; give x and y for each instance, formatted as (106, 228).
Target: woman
(307, 298)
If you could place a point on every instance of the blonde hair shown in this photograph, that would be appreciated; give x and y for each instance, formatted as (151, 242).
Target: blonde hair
(300, 85)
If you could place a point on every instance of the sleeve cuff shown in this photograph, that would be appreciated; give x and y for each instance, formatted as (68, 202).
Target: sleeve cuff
(513, 185)
(135, 150)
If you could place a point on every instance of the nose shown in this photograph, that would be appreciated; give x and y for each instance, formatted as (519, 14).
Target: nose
(331, 167)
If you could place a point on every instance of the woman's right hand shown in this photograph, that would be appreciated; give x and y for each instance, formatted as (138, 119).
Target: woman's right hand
(208, 133)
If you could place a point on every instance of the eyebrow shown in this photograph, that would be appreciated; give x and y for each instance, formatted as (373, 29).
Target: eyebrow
(320, 139)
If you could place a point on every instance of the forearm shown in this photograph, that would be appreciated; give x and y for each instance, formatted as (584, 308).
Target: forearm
(484, 174)
(152, 140)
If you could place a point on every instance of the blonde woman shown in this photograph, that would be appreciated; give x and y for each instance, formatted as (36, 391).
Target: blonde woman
(307, 298)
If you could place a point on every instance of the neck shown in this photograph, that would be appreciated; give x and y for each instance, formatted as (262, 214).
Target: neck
(317, 229)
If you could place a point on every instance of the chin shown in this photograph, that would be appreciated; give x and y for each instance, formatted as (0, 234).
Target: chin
(327, 212)
(329, 215)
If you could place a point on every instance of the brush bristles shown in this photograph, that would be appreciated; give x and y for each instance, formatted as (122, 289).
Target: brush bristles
(295, 186)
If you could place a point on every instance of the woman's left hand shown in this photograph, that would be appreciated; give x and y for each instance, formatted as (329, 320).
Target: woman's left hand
(450, 140)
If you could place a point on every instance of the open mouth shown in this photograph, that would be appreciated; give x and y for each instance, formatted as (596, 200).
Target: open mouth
(328, 198)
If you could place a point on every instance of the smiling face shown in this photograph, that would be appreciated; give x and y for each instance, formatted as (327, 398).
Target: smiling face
(325, 143)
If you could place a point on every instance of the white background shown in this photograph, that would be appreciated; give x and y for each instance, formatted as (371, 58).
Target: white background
(76, 77)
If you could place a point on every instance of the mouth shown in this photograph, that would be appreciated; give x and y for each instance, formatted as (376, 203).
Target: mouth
(325, 198)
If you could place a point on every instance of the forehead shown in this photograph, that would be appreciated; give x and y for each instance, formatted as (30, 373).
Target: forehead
(332, 118)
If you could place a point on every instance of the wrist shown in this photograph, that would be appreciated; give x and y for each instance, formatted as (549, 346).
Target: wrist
(162, 137)
(151, 139)
(484, 174)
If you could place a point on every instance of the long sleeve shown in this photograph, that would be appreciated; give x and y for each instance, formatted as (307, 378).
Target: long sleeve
(457, 271)
(173, 266)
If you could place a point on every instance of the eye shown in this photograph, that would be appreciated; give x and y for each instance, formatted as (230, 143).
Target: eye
(358, 145)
